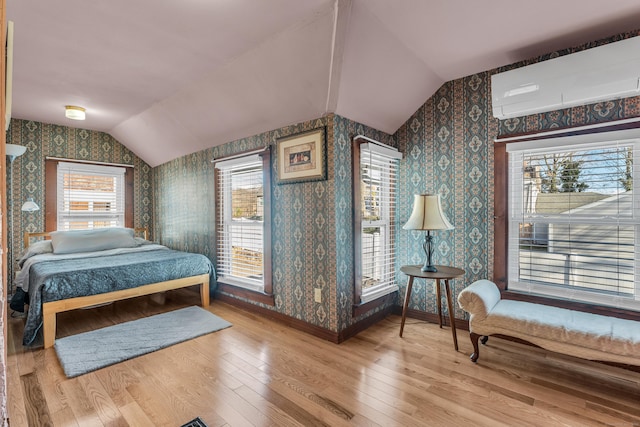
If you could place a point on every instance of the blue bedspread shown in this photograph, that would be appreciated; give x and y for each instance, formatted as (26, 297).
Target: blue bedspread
(69, 278)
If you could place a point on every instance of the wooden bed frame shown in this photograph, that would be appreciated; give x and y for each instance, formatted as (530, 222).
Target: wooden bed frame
(50, 309)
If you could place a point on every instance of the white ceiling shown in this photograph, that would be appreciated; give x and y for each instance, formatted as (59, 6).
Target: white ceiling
(168, 78)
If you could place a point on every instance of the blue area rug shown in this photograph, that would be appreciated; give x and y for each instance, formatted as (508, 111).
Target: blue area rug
(86, 352)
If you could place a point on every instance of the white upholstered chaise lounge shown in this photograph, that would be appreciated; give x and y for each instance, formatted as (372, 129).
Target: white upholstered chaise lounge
(585, 335)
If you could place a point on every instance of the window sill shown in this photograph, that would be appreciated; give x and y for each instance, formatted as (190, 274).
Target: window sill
(365, 307)
(378, 294)
(249, 294)
(250, 285)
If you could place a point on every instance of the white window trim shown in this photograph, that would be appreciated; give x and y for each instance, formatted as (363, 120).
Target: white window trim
(391, 155)
(64, 217)
(516, 214)
(224, 166)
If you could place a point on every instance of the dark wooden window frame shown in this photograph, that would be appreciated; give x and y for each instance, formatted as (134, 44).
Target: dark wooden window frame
(267, 296)
(359, 308)
(501, 229)
(51, 192)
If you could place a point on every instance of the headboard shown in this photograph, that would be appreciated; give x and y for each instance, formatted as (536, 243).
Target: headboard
(47, 235)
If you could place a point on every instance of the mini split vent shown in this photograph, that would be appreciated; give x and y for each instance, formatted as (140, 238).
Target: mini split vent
(602, 73)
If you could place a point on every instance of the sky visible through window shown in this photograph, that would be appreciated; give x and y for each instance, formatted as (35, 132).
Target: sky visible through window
(605, 171)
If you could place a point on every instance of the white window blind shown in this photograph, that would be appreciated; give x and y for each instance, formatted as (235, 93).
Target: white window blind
(378, 173)
(89, 196)
(240, 221)
(574, 223)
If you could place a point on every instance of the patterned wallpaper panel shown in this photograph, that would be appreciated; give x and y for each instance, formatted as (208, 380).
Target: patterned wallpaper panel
(447, 151)
(344, 130)
(45, 140)
(582, 115)
(184, 204)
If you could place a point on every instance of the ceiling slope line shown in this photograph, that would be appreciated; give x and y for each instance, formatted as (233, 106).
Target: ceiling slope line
(341, 13)
(133, 131)
(163, 152)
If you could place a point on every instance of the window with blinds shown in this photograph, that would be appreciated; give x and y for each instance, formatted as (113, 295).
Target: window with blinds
(574, 220)
(378, 180)
(240, 221)
(89, 196)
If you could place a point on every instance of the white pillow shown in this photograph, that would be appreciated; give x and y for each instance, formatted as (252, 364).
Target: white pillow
(99, 239)
(141, 242)
(36, 248)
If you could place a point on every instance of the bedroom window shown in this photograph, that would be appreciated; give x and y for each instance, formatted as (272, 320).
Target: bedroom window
(376, 172)
(574, 219)
(243, 222)
(90, 196)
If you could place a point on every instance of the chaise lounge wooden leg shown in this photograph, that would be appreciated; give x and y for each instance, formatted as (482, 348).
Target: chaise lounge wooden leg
(476, 352)
(474, 340)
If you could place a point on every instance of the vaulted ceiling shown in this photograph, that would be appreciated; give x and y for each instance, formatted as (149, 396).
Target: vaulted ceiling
(168, 78)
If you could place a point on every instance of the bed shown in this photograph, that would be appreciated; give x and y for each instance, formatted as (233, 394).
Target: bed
(83, 268)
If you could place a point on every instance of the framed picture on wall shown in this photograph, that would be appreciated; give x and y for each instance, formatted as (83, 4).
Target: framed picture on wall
(302, 158)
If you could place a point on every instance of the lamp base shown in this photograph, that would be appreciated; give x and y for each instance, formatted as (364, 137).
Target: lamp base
(427, 246)
(429, 269)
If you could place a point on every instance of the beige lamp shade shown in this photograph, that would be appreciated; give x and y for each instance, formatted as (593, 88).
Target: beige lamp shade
(427, 214)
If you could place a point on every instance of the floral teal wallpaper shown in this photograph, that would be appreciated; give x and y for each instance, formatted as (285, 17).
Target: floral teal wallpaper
(45, 140)
(448, 151)
(343, 132)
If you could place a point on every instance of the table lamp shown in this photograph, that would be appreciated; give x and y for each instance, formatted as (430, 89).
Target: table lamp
(427, 215)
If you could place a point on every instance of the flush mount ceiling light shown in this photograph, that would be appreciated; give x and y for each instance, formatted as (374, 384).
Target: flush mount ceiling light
(74, 113)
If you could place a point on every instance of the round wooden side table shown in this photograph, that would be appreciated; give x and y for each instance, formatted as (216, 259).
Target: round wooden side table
(444, 273)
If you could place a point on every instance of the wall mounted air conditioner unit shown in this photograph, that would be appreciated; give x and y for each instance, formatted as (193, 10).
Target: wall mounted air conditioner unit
(602, 73)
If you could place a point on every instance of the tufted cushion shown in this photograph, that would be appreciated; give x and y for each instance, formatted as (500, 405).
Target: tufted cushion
(602, 333)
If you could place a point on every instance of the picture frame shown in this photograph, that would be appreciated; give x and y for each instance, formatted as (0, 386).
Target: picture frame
(302, 157)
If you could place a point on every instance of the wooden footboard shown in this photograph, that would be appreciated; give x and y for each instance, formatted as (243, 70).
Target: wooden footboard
(50, 309)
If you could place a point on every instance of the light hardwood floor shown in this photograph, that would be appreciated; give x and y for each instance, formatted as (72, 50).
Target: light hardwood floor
(259, 372)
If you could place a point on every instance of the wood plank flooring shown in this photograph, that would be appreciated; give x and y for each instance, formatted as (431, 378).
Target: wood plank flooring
(262, 373)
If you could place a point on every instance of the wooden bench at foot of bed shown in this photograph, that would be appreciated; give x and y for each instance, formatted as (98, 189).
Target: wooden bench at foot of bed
(50, 309)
